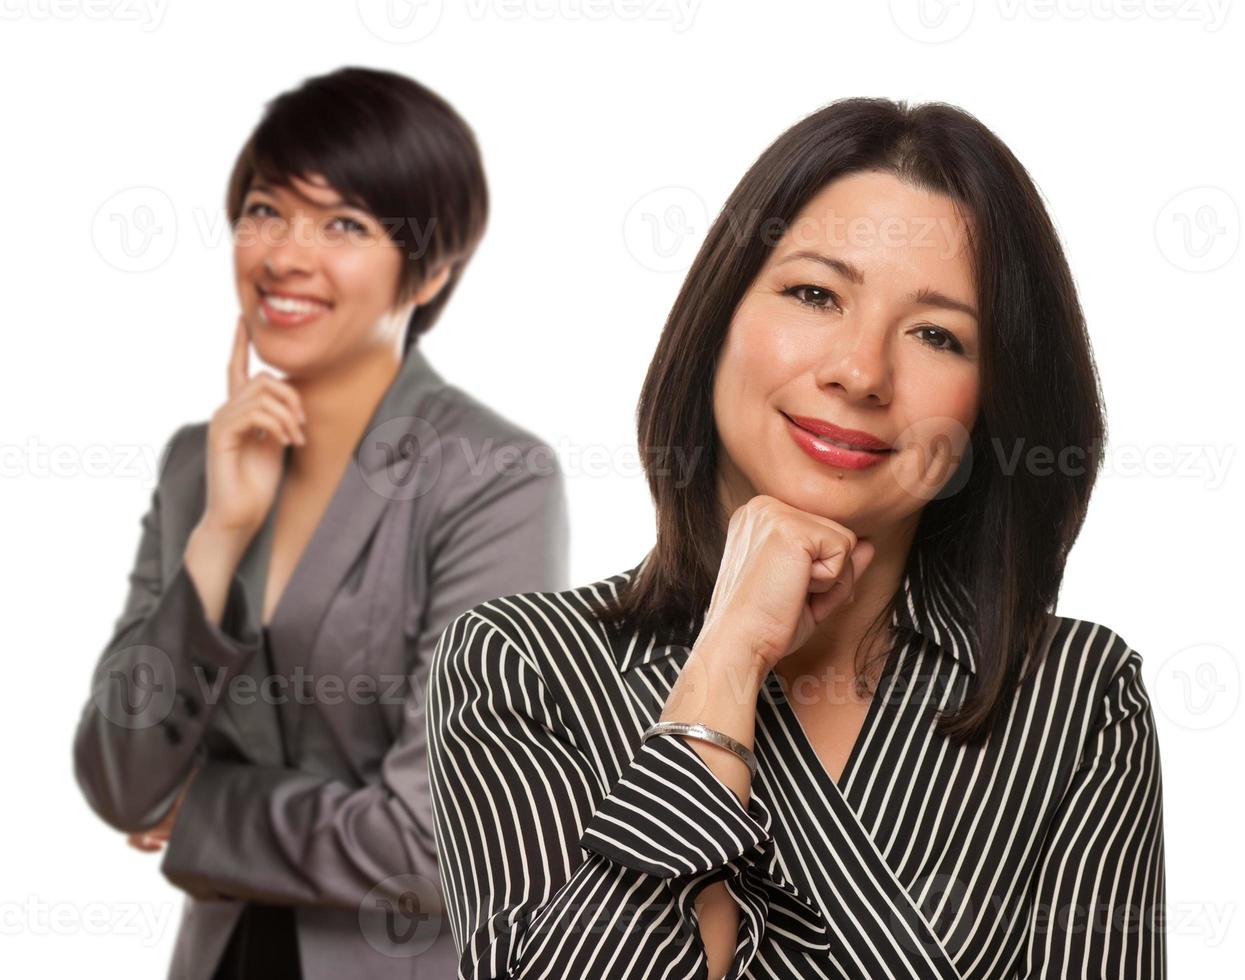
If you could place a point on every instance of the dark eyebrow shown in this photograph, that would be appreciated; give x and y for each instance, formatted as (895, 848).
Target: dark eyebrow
(924, 296)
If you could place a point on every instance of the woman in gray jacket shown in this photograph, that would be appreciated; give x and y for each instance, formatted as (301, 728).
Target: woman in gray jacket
(258, 712)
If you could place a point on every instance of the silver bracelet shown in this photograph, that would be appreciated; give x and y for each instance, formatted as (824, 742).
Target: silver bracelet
(705, 734)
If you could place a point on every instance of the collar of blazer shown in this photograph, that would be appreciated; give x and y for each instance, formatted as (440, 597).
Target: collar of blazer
(934, 605)
(397, 458)
(395, 431)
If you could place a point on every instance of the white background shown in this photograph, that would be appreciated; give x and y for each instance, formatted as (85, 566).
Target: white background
(598, 121)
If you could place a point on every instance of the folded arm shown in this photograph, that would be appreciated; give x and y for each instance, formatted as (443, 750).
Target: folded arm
(284, 836)
(546, 871)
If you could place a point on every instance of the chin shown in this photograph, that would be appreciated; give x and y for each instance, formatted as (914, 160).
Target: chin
(291, 358)
(832, 499)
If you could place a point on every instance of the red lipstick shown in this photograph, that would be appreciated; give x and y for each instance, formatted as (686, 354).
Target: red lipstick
(818, 438)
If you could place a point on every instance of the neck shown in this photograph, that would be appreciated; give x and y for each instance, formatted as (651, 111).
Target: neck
(338, 403)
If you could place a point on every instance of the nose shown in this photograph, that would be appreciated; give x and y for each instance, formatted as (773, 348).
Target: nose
(291, 249)
(857, 363)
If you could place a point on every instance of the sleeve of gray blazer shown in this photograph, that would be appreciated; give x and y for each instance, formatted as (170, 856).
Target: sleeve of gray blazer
(139, 732)
(285, 836)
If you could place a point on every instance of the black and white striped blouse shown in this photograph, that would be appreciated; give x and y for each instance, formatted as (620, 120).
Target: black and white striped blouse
(568, 849)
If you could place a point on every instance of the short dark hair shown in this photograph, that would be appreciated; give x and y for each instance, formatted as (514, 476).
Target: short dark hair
(389, 146)
(1006, 535)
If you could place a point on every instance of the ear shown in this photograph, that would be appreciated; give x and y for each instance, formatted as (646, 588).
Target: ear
(432, 286)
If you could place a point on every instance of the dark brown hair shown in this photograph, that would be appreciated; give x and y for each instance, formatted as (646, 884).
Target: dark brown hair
(1004, 534)
(390, 146)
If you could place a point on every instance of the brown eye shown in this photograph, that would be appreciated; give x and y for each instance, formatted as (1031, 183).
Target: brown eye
(951, 343)
(353, 225)
(809, 295)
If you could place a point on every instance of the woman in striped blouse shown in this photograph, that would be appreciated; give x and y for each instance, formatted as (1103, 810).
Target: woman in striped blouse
(902, 762)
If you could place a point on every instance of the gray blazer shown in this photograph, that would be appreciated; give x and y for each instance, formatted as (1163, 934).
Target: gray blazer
(312, 788)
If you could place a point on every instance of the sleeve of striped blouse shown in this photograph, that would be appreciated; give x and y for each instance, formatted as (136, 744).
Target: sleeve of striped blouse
(544, 873)
(1100, 902)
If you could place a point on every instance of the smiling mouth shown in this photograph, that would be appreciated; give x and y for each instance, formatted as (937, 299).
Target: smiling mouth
(835, 442)
(291, 305)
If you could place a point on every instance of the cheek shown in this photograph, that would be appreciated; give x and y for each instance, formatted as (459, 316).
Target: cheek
(963, 401)
(942, 394)
(936, 409)
(348, 269)
(247, 260)
(759, 356)
(740, 373)
(772, 344)
(364, 275)
(755, 363)
(731, 384)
